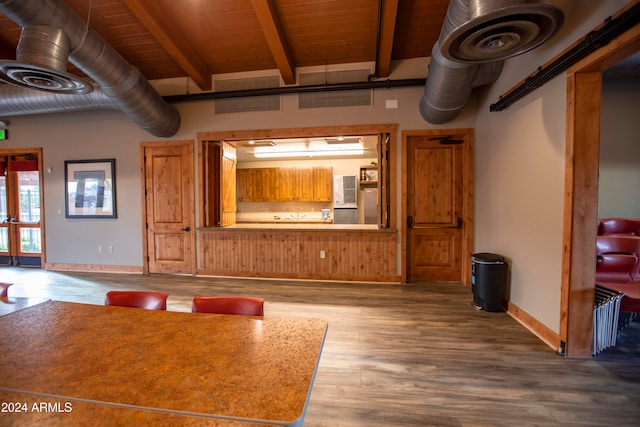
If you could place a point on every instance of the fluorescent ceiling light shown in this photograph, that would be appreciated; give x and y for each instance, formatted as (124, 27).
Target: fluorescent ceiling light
(314, 149)
(315, 153)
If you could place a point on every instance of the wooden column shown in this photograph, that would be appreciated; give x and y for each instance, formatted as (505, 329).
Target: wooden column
(584, 93)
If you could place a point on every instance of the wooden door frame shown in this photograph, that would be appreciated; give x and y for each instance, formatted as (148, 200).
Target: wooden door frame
(584, 93)
(467, 202)
(308, 132)
(38, 152)
(145, 251)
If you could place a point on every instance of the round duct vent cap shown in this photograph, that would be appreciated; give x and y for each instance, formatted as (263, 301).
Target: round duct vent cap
(502, 33)
(41, 78)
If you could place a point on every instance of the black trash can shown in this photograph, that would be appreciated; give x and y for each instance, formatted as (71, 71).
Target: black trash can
(488, 280)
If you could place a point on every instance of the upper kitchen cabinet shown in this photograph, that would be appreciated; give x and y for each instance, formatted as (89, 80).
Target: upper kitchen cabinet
(286, 188)
(322, 184)
(256, 185)
(304, 185)
(285, 184)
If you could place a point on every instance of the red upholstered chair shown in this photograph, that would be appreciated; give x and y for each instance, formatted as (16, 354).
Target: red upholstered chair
(246, 306)
(4, 288)
(618, 258)
(140, 299)
(629, 226)
(619, 268)
(630, 302)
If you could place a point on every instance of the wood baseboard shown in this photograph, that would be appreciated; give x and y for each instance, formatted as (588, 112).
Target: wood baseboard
(548, 336)
(128, 269)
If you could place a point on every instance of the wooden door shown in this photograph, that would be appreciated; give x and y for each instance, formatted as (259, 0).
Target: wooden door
(21, 230)
(437, 208)
(169, 210)
(384, 182)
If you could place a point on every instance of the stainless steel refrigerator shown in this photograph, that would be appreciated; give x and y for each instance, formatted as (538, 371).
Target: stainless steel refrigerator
(370, 205)
(345, 199)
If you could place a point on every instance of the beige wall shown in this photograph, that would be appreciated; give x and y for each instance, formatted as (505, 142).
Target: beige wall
(98, 135)
(520, 154)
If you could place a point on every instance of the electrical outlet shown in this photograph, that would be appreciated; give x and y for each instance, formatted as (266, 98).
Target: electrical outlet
(322, 254)
(99, 248)
(110, 249)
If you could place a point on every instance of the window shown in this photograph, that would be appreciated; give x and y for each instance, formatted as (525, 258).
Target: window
(219, 177)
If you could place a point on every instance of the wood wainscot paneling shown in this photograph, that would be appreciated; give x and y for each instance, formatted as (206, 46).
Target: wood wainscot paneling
(349, 255)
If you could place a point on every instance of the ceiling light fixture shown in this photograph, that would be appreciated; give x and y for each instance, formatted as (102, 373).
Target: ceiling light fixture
(343, 140)
(316, 153)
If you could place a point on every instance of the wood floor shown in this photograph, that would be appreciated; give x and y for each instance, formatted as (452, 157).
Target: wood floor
(414, 355)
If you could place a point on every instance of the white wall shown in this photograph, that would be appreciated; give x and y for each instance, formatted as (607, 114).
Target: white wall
(520, 169)
(99, 135)
(619, 180)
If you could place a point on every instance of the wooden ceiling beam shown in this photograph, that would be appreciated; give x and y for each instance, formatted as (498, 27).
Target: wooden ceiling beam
(387, 31)
(172, 41)
(276, 38)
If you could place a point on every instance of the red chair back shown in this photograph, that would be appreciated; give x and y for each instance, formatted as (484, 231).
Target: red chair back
(4, 288)
(618, 258)
(139, 299)
(246, 306)
(628, 226)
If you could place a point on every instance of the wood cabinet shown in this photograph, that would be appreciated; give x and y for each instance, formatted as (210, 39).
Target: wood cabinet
(304, 185)
(266, 184)
(285, 184)
(322, 184)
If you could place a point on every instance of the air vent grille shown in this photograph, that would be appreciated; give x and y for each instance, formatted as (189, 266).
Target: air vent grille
(249, 103)
(342, 98)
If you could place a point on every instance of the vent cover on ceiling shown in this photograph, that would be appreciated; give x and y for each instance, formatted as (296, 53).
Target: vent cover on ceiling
(248, 103)
(341, 98)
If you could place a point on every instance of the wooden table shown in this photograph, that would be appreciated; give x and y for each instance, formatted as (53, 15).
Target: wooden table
(11, 304)
(237, 368)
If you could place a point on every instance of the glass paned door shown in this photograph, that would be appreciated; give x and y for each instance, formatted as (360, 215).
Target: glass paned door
(20, 233)
(5, 257)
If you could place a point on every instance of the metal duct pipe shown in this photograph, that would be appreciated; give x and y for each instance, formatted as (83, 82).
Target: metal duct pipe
(19, 101)
(119, 80)
(41, 63)
(476, 37)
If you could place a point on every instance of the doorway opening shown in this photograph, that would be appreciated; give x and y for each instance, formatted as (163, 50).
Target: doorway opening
(21, 232)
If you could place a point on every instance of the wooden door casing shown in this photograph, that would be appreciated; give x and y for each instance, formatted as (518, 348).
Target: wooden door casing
(438, 202)
(169, 220)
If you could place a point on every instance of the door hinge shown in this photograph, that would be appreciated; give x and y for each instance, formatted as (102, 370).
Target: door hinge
(409, 222)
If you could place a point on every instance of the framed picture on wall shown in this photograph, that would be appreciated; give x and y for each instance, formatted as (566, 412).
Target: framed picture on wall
(90, 188)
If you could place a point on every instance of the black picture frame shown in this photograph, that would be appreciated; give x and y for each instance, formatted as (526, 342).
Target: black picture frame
(90, 188)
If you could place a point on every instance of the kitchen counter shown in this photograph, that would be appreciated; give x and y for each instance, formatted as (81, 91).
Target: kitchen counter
(346, 252)
(299, 226)
(282, 221)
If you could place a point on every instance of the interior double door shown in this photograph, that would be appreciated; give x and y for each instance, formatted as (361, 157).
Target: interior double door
(20, 209)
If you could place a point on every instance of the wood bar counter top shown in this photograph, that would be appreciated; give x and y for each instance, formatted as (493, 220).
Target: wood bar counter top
(256, 370)
(11, 304)
(28, 410)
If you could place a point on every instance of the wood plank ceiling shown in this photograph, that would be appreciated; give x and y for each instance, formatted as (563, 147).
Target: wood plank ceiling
(198, 38)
